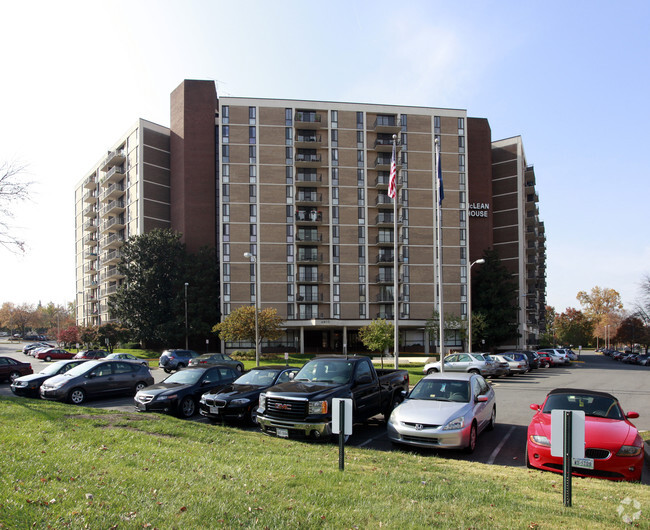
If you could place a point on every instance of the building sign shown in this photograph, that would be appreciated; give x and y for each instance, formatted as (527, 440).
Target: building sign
(479, 209)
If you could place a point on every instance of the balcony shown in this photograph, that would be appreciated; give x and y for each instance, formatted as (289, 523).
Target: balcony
(115, 174)
(309, 238)
(90, 182)
(91, 255)
(305, 314)
(111, 289)
(383, 201)
(387, 124)
(113, 207)
(114, 223)
(309, 216)
(90, 196)
(111, 273)
(385, 258)
(112, 257)
(308, 139)
(310, 297)
(306, 178)
(309, 257)
(308, 159)
(385, 240)
(386, 219)
(113, 192)
(386, 315)
(90, 211)
(113, 241)
(384, 143)
(382, 162)
(90, 240)
(114, 158)
(90, 269)
(309, 119)
(309, 198)
(310, 277)
(90, 226)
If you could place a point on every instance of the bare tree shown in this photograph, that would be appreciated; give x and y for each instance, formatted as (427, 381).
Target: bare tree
(13, 189)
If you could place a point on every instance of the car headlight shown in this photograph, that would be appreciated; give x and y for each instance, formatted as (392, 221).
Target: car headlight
(202, 399)
(458, 423)
(165, 397)
(262, 401)
(317, 407)
(54, 386)
(540, 440)
(240, 402)
(629, 450)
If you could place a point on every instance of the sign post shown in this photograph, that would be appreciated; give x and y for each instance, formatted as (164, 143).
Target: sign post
(568, 457)
(568, 441)
(342, 424)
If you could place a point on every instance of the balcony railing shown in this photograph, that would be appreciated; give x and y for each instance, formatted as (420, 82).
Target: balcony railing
(310, 277)
(309, 177)
(385, 258)
(310, 258)
(314, 198)
(309, 238)
(114, 158)
(309, 216)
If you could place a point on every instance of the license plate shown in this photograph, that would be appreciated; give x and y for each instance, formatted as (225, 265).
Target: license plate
(282, 433)
(586, 463)
(214, 410)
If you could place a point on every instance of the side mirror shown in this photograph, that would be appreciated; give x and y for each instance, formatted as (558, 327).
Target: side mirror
(632, 415)
(534, 407)
(292, 375)
(91, 375)
(404, 393)
(363, 379)
(482, 399)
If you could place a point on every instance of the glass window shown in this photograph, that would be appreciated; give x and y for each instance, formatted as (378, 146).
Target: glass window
(359, 120)
(461, 144)
(252, 154)
(252, 112)
(360, 177)
(335, 138)
(335, 118)
(252, 173)
(288, 117)
(288, 136)
(225, 153)
(252, 135)
(225, 114)
(461, 125)
(252, 191)
(359, 138)
(225, 133)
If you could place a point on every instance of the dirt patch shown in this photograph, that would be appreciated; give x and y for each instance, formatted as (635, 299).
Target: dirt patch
(116, 421)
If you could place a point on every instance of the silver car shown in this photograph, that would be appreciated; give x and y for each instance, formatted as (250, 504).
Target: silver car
(517, 366)
(473, 363)
(445, 411)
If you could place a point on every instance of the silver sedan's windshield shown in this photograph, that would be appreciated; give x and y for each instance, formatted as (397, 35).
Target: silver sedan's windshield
(441, 390)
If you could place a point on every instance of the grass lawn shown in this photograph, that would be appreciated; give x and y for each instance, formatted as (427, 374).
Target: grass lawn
(76, 467)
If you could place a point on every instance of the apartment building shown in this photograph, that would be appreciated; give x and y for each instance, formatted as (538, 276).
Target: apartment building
(126, 193)
(302, 187)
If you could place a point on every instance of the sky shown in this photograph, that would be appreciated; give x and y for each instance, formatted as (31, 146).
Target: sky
(571, 78)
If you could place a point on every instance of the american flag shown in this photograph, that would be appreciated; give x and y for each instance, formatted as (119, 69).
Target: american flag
(392, 184)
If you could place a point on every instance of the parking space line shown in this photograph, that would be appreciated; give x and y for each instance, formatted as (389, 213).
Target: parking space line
(498, 447)
(370, 440)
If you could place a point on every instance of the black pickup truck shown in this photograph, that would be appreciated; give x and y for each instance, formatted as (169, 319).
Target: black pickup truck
(302, 408)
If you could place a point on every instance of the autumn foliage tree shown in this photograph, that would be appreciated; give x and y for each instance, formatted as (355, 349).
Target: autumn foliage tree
(603, 307)
(239, 325)
(69, 336)
(573, 328)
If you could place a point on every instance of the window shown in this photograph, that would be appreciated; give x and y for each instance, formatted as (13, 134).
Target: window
(335, 157)
(252, 192)
(290, 269)
(335, 138)
(252, 155)
(225, 172)
(335, 234)
(288, 171)
(335, 194)
(226, 290)
(436, 124)
(461, 125)
(252, 173)
(461, 144)
(360, 177)
(252, 210)
(252, 135)
(252, 111)
(336, 253)
(362, 254)
(361, 234)
(335, 214)
(362, 273)
(226, 213)
(403, 122)
(461, 163)
(360, 139)
(289, 194)
(225, 153)
(362, 292)
(289, 155)
(225, 192)
(334, 118)
(360, 157)
(288, 136)
(335, 176)
(404, 140)
(359, 120)
(288, 117)
(361, 197)
(225, 133)
(253, 233)
(362, 310)
(225, 114)
(226, 272)
(226, 232)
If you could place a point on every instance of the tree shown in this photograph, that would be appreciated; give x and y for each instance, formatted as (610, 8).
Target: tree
(643, 306)
(631, 331)
(603, 307)
(12, 191)
(547, 338)
(494, 295)
(573, 328)
(379, 335)
(16, 318)
(69, 336)
(150, 301)
(239, 325)
(455, 324)
(89, 335)
(109, 334)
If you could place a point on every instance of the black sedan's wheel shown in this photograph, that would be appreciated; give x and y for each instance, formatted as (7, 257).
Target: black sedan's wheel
(473, 435)
(140, 386)
(77, 396)
(252, 415)
(187, 408)
(167, 370)
(13, 376)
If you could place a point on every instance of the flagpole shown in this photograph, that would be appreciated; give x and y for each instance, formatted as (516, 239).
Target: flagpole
(441, 316)
(395, 259)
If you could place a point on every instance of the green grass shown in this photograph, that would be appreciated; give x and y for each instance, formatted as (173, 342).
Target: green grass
(69, 467)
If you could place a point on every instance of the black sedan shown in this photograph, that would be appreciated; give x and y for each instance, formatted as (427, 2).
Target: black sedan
(29, 385)
(239, 400)
(180, 392)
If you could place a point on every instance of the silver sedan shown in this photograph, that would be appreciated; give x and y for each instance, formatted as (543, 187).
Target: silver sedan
(444, 411)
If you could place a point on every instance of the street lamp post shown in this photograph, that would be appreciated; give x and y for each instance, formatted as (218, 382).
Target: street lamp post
(186, 339)
(469, 303)
(257, 296)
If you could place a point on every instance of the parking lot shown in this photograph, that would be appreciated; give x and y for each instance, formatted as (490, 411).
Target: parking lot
(503, 446)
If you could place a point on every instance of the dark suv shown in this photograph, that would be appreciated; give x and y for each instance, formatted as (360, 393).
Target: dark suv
(176, 359)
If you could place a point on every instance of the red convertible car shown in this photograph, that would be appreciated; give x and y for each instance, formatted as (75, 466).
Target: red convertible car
(611, 440)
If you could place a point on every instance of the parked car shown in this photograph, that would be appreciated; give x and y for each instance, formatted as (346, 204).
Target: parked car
(302, 408)
(516, 366)
(97, 378)
(30, 385)
(53, 353)
(35, 351)
(463, 362)
(611, 440)
(180, 392)
(239, 400)
(32, 345)
(444, 411)
(533, 359)
(217, 358)
(176, 359)
(559, 356)
(501, 366)
(11, 369)
(127, 357)
(91, 354)
(545, 359)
